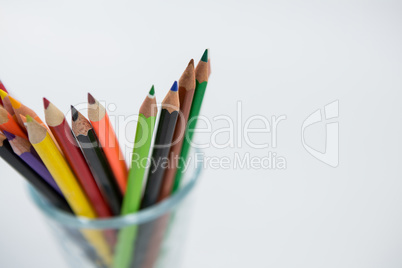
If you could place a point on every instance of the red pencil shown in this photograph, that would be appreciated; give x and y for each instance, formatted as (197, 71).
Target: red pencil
(62, 132)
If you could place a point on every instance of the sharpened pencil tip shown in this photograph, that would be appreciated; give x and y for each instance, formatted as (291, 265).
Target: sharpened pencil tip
(29, 118)
(8, 135)
(174, 86)
(204, 57)
(2, 86)
(74, 113)
(3, 94)
(16, 104)
(191, 62)
(91, 99)
(46, 103)
(152, 91)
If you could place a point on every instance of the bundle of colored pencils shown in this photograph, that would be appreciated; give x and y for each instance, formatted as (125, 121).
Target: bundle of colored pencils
(82, 170)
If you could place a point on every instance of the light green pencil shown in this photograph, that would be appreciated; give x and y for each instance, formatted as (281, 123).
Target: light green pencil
(201, 81)
(132, 198)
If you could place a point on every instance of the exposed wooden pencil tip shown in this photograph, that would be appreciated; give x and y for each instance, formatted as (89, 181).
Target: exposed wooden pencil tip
(74, 113)
(187, 79)
(174, 87)
(46, 103)
(9, 135)
(29, 118)
(91, 99)
(204, 57)
(191, 62)
(3, 94)
(23, 118)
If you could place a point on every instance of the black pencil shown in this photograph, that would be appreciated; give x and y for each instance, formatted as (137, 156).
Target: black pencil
(7, 153)
(96, 160)
(163, 140)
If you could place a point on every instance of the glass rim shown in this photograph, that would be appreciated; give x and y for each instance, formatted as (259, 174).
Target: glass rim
(118, 222)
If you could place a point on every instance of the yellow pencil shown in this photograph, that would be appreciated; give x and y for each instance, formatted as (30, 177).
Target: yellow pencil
(59, 169)
(68, 184)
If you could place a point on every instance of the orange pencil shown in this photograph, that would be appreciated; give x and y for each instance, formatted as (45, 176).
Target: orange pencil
(8, 124)
(21, 109)
(101, 124)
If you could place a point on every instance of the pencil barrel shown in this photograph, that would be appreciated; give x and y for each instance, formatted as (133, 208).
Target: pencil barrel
(159, 160)
(188, 136)
(101, 171)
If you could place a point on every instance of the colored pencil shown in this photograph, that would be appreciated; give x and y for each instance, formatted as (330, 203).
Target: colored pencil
(27, 153)
(186, 93)
(163, 139)
(7, 123)
(132, 198)
(201, 76)
(152, 234)
(65, 179)
(22, 110)
(2, 87)
(58, 167)
(96, 160)
(142, 143)
(62, 132)
(43, 188)
(82, 169)
(100, 122)
(6, 102)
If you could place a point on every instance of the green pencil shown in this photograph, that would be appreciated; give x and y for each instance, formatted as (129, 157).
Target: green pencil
(132, 198)
(142, 143)
(201, 76)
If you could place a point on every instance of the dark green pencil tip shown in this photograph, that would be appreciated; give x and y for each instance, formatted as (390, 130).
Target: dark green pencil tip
(152, 91)
(204, 57)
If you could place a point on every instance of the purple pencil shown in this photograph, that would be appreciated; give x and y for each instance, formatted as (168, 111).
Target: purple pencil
(27, 153)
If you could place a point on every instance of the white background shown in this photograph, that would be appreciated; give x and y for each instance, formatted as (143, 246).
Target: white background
(277, 58)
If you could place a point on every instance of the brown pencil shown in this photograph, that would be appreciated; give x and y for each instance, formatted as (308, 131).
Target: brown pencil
(186, 94)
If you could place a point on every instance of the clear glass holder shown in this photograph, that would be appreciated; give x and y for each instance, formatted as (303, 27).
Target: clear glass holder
(152, 237)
